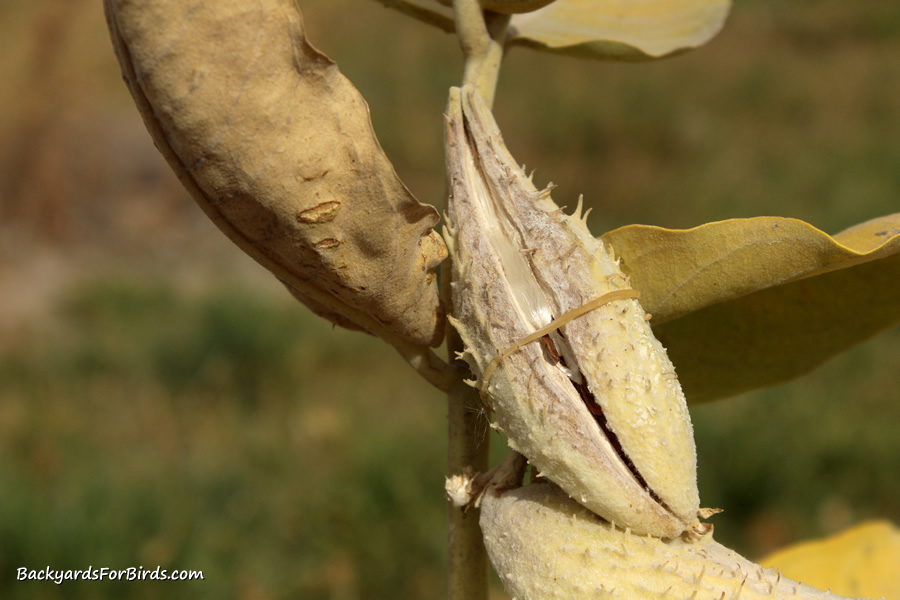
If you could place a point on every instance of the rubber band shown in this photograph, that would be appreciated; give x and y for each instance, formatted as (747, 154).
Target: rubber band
(553, 326)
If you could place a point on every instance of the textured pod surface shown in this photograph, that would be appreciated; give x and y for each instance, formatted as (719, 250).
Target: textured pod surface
(277, 147)
(596, 405)
(544, 546)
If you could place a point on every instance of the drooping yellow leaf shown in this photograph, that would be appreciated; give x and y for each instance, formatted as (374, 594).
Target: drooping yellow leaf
(627, 29)
(748, 303)
(620, 29)
(861, 562)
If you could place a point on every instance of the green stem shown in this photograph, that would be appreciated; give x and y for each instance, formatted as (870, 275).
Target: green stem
(482, 36)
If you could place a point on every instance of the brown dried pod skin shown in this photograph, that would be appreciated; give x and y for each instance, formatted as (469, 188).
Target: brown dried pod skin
(596, 407)
(277, 147)
(545, 546)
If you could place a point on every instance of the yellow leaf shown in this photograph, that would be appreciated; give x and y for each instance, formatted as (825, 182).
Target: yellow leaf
(621, 29)
(860, 562)
(748, 303)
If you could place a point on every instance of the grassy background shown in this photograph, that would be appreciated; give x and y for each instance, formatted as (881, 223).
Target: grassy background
(163, 401)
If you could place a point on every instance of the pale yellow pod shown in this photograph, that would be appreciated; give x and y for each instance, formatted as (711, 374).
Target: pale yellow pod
(595, 406)
(277, 147)
(544, 546)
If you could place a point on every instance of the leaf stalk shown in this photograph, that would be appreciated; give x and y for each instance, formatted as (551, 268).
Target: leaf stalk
(482, 37)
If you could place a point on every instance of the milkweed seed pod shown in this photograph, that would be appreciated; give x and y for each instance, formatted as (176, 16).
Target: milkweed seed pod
(544, 546)
(277, 147)
(595, 406)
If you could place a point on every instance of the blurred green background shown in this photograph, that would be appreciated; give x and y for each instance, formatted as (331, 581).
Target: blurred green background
(164, 402)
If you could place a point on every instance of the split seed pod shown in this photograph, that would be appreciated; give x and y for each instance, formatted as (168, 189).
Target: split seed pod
(544, 546)
(595, 406)
(276, 146)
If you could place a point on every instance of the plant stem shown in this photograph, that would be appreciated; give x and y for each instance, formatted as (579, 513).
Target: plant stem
(468, 445)
(426, 363)
(482, 36)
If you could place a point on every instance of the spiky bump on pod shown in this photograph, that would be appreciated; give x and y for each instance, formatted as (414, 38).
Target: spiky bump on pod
(596, 406)
(544, 546)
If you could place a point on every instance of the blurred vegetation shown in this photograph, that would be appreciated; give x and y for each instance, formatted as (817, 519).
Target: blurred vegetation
(225, 433)
(163, 401)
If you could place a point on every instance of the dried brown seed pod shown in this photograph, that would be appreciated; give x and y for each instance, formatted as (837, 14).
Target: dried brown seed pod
(277, 147)
(597, 408)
